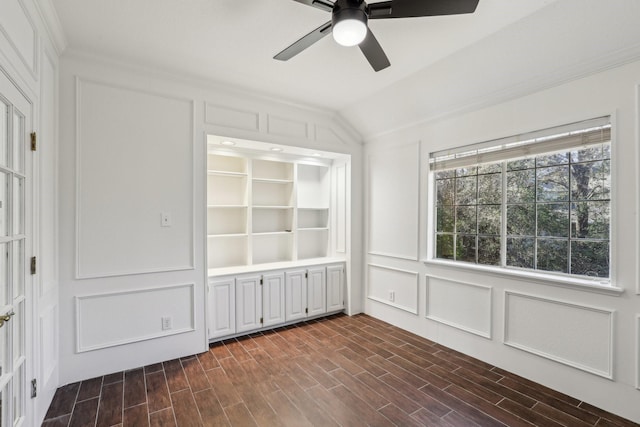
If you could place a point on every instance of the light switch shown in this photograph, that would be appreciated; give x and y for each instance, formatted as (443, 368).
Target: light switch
(165, 219)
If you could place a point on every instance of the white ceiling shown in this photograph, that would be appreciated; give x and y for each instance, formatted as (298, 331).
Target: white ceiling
(233, 42)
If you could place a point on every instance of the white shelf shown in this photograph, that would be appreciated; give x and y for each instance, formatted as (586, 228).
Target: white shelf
(227, 206)
(302, 208)
(227, 235)
(225, 173)
(273, 181)
(227, 164)
(313, 229)
(272, 207)
(270, 233)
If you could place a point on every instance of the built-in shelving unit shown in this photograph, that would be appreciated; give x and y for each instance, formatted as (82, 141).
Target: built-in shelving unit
(263, 211)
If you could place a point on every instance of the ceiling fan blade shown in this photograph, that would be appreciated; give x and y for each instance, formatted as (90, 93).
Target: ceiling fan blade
(373, 52)
(325, 5)
(416, 8)
(304, 42)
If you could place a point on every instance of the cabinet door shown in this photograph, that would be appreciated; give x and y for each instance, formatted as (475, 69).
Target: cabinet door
(273, 299)
(222, 308)
(317, 291)
(248, 303)
(335, 288)
(296, 295)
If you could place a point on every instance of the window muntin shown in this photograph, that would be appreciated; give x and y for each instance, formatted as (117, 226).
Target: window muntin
(549, 212)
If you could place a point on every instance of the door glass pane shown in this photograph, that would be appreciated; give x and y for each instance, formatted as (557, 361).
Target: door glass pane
(18, 395)
(4, 275)
(18, 205)
(17, 323)
(4, 349)
(18, 141)
(17, 264)
(4, 196)
(3, 409)
(4, 132)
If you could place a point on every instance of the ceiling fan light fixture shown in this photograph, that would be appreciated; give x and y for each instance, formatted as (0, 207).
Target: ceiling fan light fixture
(349, 26)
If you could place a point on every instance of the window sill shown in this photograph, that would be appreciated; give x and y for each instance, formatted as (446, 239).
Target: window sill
(541, 278)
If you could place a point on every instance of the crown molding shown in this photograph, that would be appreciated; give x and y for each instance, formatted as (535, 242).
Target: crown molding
(52, 23)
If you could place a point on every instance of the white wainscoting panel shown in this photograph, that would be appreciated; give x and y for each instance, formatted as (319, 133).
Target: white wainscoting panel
(404, 285)
(287, 127)
(119, 202)
(326, 134)
(20, 32)
(393, 202)
(465, 306)
(232, 118)
(111, 319)
(576, 335)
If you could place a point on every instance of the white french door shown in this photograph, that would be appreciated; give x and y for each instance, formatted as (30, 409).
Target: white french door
(15, 244)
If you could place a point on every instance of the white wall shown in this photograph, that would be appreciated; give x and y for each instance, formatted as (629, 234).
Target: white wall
(589, 347)
(132, 146)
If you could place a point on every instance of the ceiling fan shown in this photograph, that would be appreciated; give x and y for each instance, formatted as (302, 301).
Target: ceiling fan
(349, 23)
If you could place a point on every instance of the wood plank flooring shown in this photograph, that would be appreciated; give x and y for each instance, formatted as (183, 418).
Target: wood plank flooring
(337, 371)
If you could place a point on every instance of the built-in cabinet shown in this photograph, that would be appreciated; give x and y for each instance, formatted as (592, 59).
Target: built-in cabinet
(264, 211)
(245, 303)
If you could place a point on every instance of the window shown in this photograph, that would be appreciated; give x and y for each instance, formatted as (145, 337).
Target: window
(540, 201)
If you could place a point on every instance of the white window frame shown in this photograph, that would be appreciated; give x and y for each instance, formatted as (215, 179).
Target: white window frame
(599, 285)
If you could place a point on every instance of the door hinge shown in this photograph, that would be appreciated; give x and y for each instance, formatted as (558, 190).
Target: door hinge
(34, 139)
(33, 265)
(261, 281)
(306, 310)
(34, 388)
(306, 275)
(261, 322)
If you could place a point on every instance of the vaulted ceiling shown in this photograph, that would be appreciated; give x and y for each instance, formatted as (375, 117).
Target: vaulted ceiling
(233, 42)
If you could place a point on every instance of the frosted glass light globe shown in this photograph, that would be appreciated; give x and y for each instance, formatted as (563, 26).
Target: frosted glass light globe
(349, 32)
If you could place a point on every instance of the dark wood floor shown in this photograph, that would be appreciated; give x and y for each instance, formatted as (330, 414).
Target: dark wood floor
(338, 371)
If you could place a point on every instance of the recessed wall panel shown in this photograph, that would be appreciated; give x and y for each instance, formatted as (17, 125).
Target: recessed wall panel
(20, 32)
(462, 305)
(576, 335)
(232, 118)
(287, 127)
(394, 287)
(110, 319)
(393, 197)
(134, 164)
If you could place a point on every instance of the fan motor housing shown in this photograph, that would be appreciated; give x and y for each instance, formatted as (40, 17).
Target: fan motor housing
(349, 9)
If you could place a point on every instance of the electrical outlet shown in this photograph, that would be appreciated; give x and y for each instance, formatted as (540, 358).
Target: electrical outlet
(392, 296)
(166, 323)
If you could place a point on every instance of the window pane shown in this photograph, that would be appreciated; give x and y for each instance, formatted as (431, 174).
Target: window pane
(18, 141)
(521, 164)
(590, 258)
(444, 246)
(489, 219)
(466, 190)
(490, 168)
(4, 275)
(4, 195)
(490, 189)
(553, 184)
(600, 152)
(590, 220)
(521, 186)
(591, 181)
(489, 250)
(520, 252)
(445, 191)
(17, 260)
(466, 219)
(4, 133)
(445, 174)
(471, 170)
(446, 219)
(553, 255)
(552, 159)
(553, 219)
(18, 205)
(466, 248)
(521, 220)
